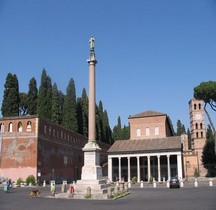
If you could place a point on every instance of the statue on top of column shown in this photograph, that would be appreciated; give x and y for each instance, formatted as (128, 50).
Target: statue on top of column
(92, 43)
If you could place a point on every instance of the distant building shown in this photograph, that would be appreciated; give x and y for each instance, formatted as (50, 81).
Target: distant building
(32, 145)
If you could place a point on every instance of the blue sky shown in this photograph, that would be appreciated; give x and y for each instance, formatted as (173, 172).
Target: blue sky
(151, 53)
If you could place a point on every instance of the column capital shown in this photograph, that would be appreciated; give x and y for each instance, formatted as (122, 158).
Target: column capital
(158, 156)
(168, 156)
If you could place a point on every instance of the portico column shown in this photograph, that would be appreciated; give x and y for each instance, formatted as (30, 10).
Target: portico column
(129, 173)
(119, 168)
(110, 174)
(179, 165)
(138, 169)
(149, 167)
(159, 171)
(168, 166)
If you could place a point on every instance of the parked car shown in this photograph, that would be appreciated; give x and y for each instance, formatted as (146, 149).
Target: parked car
(174, 182)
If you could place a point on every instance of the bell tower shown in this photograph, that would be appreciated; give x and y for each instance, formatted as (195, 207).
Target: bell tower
(198, 131)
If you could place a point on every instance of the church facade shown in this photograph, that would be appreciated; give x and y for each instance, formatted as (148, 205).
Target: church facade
(153, 152)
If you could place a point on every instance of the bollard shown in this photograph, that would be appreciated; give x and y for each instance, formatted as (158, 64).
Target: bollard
(116, 189)
(210, 183)
(129, 184)
(44, 183)
(88, 192)
(117, 183)
(126, 187)
(168, 183)
(154, 184)
(181, 183)
(121, 186)
(195, 183)
(109, 192)
(53, 189)
(141, 184)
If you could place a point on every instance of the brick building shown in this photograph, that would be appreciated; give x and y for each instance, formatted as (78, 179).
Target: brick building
(151, 151)
(32, 145)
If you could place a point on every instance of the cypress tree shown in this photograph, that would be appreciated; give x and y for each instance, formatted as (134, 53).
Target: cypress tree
(117, 130)
(180, 128)
(79, 116)
(61, 104)
(55, 117)
(44, 107)
(108, 132)
(70, 107)
(23, 104)
(85, 112)
(10, 103)
(32, 97)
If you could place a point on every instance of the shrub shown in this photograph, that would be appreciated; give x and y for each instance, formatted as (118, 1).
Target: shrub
(134, 180)
(196, 173)
(30, 179)
(19, 181)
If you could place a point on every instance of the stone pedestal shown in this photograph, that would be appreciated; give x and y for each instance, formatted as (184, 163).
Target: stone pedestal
(91, 175)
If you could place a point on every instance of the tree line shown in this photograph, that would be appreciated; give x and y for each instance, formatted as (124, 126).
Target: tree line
(51, 103)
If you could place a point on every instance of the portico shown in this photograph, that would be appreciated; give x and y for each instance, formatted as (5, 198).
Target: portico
(159, 159)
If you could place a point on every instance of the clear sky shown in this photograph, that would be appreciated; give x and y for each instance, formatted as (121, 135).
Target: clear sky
(151, 53)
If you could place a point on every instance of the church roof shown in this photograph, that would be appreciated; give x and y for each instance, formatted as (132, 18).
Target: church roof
(148, 113)
(146, 145)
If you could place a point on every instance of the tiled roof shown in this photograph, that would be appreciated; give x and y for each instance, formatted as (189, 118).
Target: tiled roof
(146, 145)
(148, 113)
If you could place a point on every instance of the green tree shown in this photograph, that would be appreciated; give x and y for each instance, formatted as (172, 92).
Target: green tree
(80, 115)
(10, 103)
(55, 117)
(180, 128)
(70, 107)
(32, 97)
(117, 130)
(189, 138)
(61, 105)
(206, 91)
(23, 104)
(126, 132)
(171, 126)
(208, 155)
(44, 107)
(85, 112)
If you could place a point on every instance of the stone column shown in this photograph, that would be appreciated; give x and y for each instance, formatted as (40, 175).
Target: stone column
(149, 167)
(179, 165)
(119, 169)
(138, 169)
(168, 166)
(159, 172)
(110, 174)
(129, 173)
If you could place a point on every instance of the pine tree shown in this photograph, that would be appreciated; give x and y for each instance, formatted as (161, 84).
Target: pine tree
(32, 97)
(70, 107)
(10, 103)
(44, 107)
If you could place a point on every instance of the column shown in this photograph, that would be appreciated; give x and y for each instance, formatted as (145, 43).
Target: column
(129, 173)
(119, 168)
(168, 166)
(179, 166)
(149, 167)
(159, 171)
(138, 169)
(110, 173)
